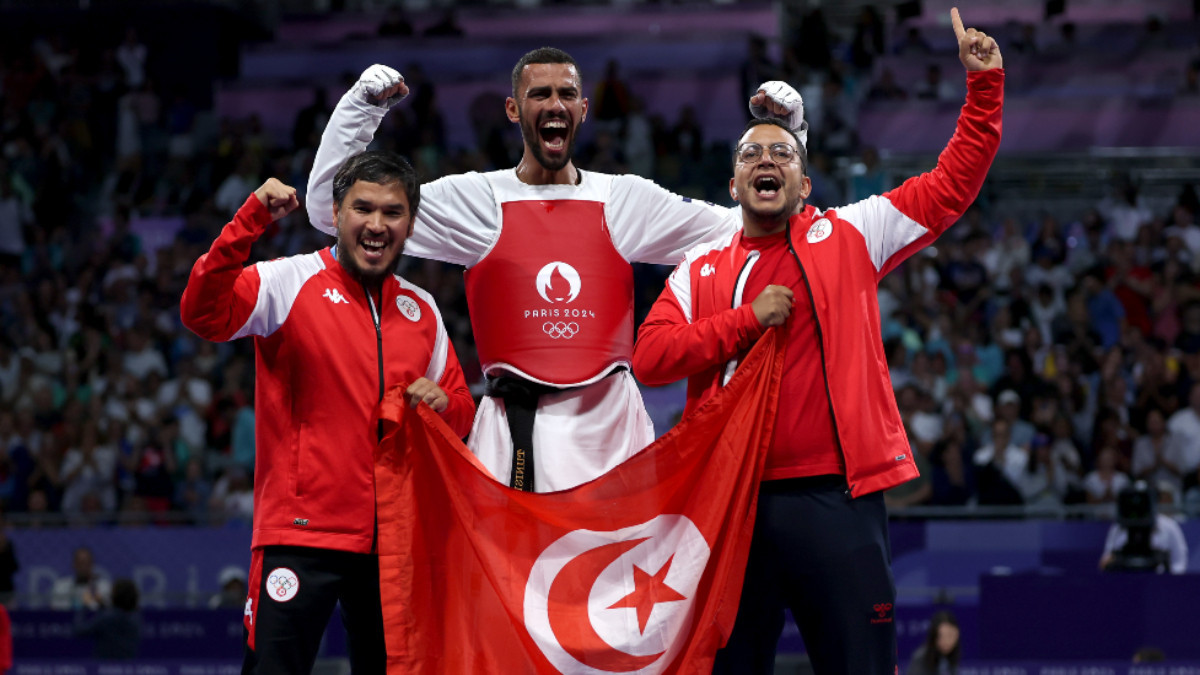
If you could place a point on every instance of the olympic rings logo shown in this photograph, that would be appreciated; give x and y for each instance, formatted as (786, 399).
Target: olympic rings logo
(559, 329)
(282, 584)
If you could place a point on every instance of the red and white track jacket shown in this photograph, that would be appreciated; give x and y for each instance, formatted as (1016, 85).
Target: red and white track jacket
(700, 325)
(325, 356)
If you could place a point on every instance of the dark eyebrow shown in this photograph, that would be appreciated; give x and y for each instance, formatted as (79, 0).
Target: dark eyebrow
(366, 203)
(538, 90)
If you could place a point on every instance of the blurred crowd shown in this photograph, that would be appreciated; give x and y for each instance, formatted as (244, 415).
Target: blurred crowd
(1040, 363)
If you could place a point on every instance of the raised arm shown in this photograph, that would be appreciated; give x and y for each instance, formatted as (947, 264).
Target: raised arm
(902, 221)
(221, 292)
(349, 131)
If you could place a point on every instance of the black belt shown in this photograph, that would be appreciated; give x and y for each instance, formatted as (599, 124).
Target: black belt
(521, 398)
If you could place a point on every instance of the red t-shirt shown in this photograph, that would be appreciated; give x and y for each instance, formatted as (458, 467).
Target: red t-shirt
(804, 443)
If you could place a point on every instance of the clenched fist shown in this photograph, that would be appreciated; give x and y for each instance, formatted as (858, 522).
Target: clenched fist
(279, 199)
(773, 306)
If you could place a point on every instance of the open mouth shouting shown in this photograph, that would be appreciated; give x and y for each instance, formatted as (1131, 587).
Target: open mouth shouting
(554, 133)
(767, 187)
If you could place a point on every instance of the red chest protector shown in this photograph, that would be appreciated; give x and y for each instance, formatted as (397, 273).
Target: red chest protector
(553, 300)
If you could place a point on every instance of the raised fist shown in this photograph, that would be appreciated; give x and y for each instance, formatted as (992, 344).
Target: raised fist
(381, 85)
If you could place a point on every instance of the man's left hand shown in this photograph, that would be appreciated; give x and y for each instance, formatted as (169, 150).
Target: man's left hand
(976, 49)
(424, 390)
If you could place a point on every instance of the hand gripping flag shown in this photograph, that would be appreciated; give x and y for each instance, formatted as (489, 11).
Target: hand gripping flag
(638, 571)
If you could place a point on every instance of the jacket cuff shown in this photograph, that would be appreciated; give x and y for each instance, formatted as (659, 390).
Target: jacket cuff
(748, 325)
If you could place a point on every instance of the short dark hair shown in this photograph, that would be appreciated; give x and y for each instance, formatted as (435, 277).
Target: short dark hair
(539, 55)
(377, 166)
(759, 121)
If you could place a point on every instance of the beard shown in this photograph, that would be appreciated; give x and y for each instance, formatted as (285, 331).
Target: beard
(533, 141)
(370, 278)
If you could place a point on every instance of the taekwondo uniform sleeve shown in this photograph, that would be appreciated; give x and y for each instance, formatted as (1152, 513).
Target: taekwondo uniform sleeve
(457, 221)
(650, 224)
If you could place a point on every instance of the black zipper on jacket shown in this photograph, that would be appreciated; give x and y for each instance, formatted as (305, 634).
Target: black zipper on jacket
(376, 319)
(821, 344)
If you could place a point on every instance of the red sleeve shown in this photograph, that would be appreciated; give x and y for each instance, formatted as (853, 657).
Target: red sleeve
(221, 292)
(937, 199)
(670, 348)
(460, 411)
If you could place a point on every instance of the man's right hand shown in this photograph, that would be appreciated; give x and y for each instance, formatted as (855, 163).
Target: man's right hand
(279, 199)
(382, 86)
(773, 306)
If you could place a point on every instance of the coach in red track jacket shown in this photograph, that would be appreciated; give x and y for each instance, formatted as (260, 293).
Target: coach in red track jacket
(333, 330)
(820, 543)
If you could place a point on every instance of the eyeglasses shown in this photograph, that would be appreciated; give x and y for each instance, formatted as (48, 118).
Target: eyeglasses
(781, 153)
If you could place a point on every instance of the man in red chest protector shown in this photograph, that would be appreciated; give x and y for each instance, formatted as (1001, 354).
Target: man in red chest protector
(547, 247)
(820, 545)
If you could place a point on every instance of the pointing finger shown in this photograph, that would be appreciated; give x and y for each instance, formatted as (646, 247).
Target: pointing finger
(956, 20)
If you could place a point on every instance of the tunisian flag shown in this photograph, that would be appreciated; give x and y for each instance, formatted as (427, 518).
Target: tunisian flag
(637, 571)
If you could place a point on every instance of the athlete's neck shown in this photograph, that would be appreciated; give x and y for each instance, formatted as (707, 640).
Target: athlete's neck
(531, 172)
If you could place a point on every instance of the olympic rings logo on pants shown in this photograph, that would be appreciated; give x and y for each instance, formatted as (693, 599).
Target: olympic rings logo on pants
(560, 329)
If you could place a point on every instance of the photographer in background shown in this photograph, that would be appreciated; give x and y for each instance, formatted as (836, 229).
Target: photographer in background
(1143, 540)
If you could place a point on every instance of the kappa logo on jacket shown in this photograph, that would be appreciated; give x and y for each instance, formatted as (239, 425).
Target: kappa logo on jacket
(707, 270)
(820, 231)
(334, 296)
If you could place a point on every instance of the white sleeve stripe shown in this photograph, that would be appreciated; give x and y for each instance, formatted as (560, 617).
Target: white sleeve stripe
(441, 344)
(886, 230)
(680, 283)
(280, 282)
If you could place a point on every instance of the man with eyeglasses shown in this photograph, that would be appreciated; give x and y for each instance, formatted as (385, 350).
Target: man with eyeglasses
(820, 544)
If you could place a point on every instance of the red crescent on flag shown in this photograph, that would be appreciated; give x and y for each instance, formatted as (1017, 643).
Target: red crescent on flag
(567, 604)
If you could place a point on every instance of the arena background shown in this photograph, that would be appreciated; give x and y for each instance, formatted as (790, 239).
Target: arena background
(1066, 302)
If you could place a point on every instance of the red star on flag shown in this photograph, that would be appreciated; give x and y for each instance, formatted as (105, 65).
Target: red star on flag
(648, 591)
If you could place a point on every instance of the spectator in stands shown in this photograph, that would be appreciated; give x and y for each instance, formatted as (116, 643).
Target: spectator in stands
(87, 469)
(1048, 481)
(1103, 483)
(132, 55)
(913, 43)
(1000, 467)
(84, 588)
(886, 88)
(1158, 456)
(394, 24)
(951, 474)
(934, 87)
(611, 100)
(447, 26)
(941, 651)
(117, 630)
(232, 581)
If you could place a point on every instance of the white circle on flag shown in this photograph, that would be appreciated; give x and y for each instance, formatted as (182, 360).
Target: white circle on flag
(615, 614)
(282, 584)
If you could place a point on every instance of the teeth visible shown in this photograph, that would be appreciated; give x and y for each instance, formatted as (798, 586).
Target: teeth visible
(373, 244)
(555, 124)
